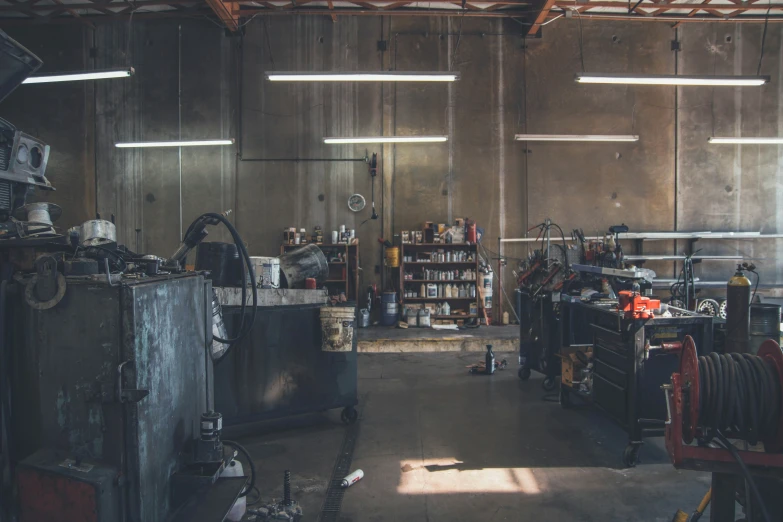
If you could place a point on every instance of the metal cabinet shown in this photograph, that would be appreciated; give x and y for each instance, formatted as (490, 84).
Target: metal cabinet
(628, 370)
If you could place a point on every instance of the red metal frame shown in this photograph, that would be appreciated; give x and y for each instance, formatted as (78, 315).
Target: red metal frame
(685, 456)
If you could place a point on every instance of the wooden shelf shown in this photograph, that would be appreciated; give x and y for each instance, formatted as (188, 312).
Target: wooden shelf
(439, 281)
(411, 267)
(350, 267)
(440, 298)
(469, 263)
(437, 245)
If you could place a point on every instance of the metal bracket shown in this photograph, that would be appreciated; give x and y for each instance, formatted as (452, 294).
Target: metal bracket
(128, 394)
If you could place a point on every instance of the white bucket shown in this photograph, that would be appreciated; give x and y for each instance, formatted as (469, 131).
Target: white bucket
(234, 469)
(337, 325)
(267, 270)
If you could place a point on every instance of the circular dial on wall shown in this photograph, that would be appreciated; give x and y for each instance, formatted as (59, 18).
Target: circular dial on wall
(356, 202)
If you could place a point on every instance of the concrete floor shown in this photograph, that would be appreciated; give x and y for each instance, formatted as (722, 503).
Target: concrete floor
(438, 444)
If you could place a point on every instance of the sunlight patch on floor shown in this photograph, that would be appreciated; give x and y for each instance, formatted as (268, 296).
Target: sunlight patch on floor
(450, 476)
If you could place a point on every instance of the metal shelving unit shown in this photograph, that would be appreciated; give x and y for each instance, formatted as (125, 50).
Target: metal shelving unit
(418, 265)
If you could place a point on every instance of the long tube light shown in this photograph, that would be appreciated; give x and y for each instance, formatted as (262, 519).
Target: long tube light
(190, 143)
(387, 139)
(672, 79)
(392, 76)
(576, 137)
(745, 141)
(79, 76)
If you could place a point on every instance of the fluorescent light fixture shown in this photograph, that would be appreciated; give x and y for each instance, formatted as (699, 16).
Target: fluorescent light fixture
(672, 79)
(78, 76)
(576, 137)
(192, 143)
(745, 141)
(387, 139)
(393, 76)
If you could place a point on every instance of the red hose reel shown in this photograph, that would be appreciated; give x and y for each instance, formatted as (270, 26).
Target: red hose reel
(682, 426)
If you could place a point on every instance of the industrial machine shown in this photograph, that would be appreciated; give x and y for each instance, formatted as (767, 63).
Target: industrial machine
(556, 269)
(106, 379)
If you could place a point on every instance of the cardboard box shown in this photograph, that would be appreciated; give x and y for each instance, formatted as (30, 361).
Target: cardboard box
(571, 366)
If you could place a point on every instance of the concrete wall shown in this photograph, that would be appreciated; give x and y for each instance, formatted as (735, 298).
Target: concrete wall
(669, 179)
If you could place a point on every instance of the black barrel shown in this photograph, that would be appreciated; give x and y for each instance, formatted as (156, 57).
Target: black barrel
(302, 263)
(222, 262)
(764, 324)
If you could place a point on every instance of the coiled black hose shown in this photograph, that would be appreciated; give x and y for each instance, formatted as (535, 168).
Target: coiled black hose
(244, 260)
(739, 394)
(250, 485)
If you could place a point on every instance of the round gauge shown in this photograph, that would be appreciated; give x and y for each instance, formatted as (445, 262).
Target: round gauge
(22, 154)
(356, 202)
(36, 158)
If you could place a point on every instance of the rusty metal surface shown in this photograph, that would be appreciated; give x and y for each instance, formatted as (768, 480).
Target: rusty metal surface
(165, 335)
(49, 491)
(65, 387)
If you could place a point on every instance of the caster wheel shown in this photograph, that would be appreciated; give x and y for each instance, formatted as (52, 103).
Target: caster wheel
(565, 399)
(549, 384)
(349, 415)
(631, 455)
(524, 373)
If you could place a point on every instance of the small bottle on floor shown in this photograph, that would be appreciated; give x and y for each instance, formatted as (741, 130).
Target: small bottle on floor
(489, 360)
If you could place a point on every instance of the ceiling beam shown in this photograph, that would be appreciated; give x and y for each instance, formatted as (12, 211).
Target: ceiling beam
(342, 11)
(227, 13)
(667, 7)
(541, 17)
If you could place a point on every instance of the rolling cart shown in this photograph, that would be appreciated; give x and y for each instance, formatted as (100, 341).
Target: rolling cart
(630, 363)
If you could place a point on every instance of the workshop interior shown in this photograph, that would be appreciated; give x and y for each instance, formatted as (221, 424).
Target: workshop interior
(341, 260)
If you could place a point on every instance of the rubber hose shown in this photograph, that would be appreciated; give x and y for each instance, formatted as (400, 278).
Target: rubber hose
(244, 259)
(243, 451)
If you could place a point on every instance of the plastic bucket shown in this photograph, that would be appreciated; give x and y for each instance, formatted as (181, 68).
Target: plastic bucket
(389, 311)
(337, 325)
(764, 324)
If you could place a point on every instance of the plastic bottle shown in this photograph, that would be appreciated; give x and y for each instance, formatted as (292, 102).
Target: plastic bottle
(423, 292)
(234, 469)
(445, 309)
(489, 360)
(447, 291)
(505, 318)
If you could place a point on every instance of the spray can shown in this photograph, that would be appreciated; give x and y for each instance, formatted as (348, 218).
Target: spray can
(352, 479)
(489, 360)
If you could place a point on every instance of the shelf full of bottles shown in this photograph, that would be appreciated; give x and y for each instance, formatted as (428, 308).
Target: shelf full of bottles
(443, 274)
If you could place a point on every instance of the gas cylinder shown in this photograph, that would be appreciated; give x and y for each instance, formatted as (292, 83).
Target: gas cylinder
(738, 312)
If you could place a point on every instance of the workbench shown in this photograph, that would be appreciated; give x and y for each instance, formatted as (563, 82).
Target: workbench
(280, 369)
(628, 368)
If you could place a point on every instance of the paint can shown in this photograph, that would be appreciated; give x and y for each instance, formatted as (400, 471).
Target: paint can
(297, 265)
(309, 283)
(393, 257)
(337, 328)
(389, 308)
(352, 479)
